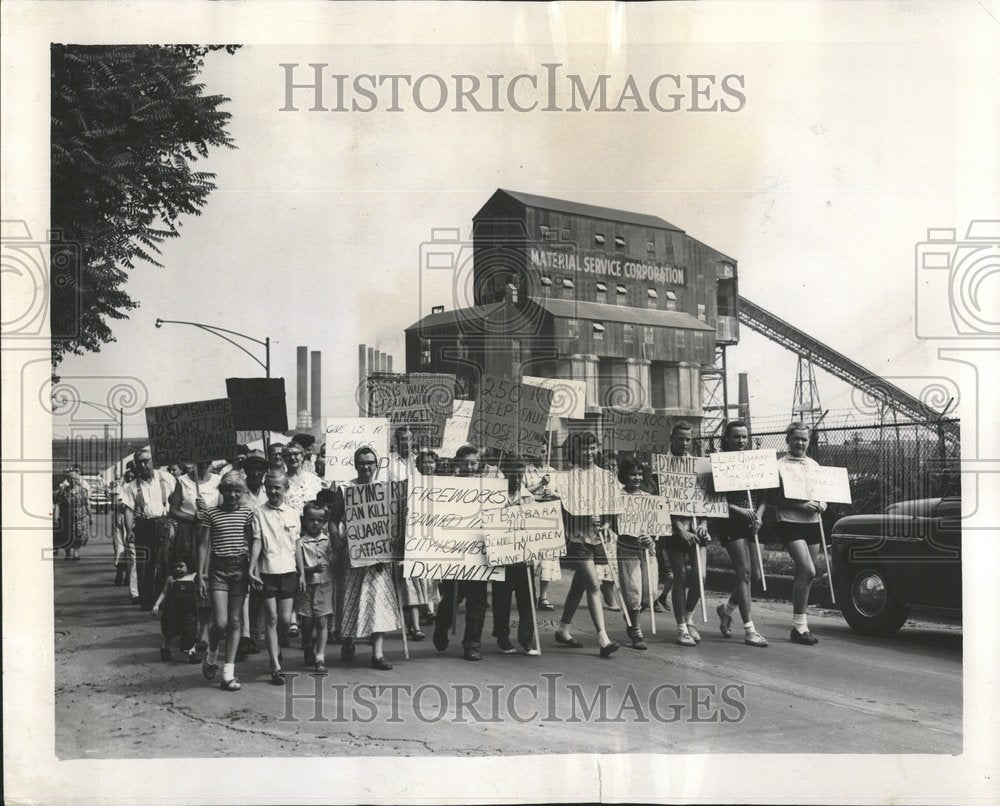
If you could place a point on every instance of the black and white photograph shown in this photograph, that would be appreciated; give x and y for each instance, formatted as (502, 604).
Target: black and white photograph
(500, 402)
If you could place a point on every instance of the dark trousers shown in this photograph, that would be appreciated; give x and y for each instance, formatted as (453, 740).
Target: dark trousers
(474, 594)
(517, 583)
(148, 533)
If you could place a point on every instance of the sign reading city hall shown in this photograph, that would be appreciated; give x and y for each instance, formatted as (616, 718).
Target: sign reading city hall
(629, 269)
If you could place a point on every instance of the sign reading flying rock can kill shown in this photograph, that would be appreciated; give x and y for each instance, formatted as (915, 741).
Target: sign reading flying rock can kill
(371, 521)
(511, 416)
(201, 431)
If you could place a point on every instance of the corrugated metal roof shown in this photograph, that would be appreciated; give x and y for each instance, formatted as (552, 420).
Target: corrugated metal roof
(452, 316)
(602, 312)
(593, 211)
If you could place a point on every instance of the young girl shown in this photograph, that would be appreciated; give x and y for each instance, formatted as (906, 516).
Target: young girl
(538, 481)
(632, 554)
(736, 534)
(370, 607)
(179, 618)
(585, 548)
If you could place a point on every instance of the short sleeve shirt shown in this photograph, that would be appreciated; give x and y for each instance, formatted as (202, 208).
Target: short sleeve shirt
(279, 529)
(229, 531)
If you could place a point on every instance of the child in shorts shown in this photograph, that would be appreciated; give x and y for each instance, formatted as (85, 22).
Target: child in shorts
(177, 608)
(314, 601)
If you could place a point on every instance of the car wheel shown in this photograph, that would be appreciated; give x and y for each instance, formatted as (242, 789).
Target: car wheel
(868, 603)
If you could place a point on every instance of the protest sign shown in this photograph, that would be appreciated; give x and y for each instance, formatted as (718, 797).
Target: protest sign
(686, 483)
(258, 404)
(524, 533)
(744, 470)
(344, 435)
(808, 482)
(635, 431)
(201, 431)
(569, 398)
(511, 416)
(370, 521)
(423, 401)
(587, 492)
(456, 428)
(644, 515)
(445, 524)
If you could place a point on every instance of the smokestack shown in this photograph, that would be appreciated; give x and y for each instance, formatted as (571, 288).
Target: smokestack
(316, 386)
(744, 400)
(302, 384)
(362, 388)
(388, 363)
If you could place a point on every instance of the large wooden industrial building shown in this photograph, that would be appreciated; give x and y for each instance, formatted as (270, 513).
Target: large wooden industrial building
(626, 302)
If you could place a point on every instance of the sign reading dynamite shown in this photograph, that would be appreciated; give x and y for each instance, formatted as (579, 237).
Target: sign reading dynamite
(201, 431)
(809, 482)
(744, 470)
(524, 533)
(344, 435)
(511, 416)
(635, 431)
(371, 513)
(686, 482)
(258, 403)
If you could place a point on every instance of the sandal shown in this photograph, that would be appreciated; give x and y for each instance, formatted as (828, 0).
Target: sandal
(415, 634)
(230, 685)
(571, 642)
(545, 604)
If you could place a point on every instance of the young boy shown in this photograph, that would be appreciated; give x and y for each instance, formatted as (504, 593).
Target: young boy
(180, 616)
(227, 532)
(272, 565)
(314, 561)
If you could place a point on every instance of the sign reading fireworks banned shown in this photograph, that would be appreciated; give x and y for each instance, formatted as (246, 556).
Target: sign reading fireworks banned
(511, 416)
(344, 435)
(446, 519)
(808, 482)
(744, 470)
(524, 533)
(686, 483)
(371, 521)
(201, 431)
(635, 431)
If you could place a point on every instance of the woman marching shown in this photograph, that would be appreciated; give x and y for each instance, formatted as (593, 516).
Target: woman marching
(632, 556)
(798, 527)
(75, 516)
(370, 604)
(736, 534)
(584, 536)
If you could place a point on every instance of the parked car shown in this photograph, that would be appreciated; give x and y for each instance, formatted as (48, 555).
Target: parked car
(908, 559)
(100, 495)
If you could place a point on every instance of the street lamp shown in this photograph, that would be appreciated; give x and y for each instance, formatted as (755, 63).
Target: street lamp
(218, 331)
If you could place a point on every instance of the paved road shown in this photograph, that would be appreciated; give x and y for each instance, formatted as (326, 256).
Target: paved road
(849, 694)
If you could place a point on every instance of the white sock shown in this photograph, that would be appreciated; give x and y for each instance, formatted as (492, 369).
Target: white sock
(602, 638)
(682, 627)
(799, 622)
(690, 618)
(730, 608)
(212, 657)
(748, 627)
(321, 659)
(228, 671)
(563, 628)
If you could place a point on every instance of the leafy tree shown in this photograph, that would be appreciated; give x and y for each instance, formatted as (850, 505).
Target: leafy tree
(128, 123)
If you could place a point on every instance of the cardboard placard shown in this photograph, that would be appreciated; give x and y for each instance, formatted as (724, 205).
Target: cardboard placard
(593, 492)
(744, 470)
(644, 515)
(525, 533)
(423, 401)
(258, 404)
(456, 428)
(200, 431)
(639, 432)
(371, 513)
(809, 482)
(445, 525)
(511, 416)
(569, 398)
(344, 435)
(686, 483)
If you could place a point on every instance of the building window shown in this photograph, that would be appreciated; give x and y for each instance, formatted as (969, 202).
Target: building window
(701, 311)
(602, 292)
(546, 280)
(598, 331)
(567, 288)
(725, 271)
(565, 234)
(572, 328)
(425, 351)
(651, 298)
(681, 340)
(647, 335)
(620, 292)
(550, 234)
(671, 300)
(567, 283)
(544, 231)
(629, 334)
(620, 241)
(599, 237)
(650, 248)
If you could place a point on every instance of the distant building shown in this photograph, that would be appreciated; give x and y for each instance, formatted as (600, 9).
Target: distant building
(624, 301)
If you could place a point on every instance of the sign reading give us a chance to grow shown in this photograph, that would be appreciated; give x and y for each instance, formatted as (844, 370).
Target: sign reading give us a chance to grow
(344, 435)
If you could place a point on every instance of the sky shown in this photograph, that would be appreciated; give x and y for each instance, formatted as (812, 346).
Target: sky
(820, 187)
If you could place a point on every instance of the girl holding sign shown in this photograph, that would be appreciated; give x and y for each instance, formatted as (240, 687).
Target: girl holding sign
(736, 533)
(632, 555)
(584, 535)
(798, 527)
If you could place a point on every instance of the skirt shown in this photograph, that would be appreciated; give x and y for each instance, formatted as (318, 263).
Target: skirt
(369, 602)
(415, 593)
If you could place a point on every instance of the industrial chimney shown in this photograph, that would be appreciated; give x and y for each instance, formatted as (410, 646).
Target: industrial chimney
(302, 387)
(316, 386)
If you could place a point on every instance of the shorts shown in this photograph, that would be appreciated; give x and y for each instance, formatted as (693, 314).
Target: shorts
(316, 602)
(280, 586)
(675, 543)
(787, 531)
(586, 551)
(229, 573)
